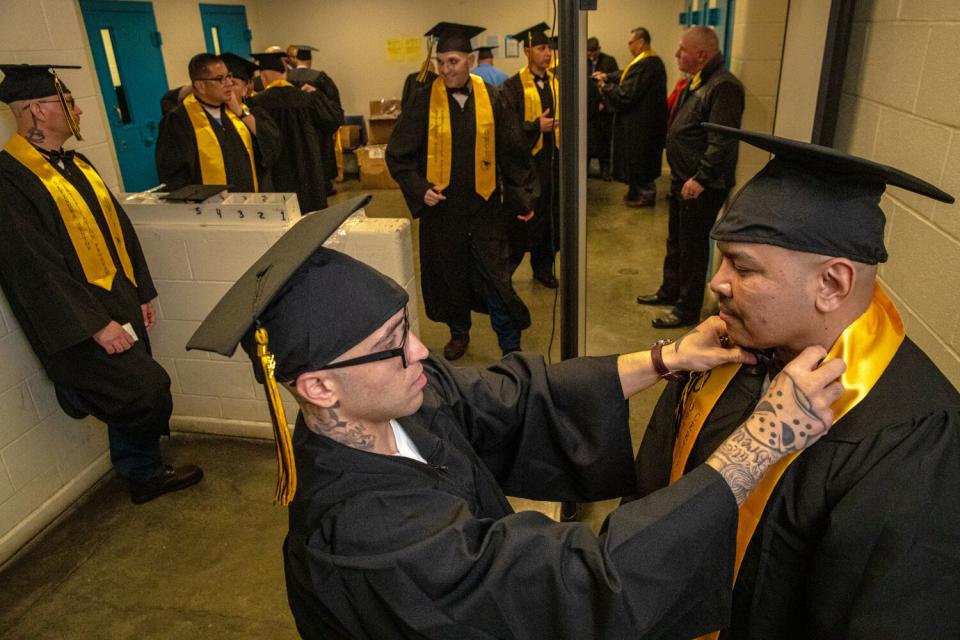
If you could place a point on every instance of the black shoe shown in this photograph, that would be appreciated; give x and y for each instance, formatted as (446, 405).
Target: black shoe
(455, 349)
(549, 280)
(655, 298)
(671, 320)
(607, 177)
(172, 479)
(640, 201)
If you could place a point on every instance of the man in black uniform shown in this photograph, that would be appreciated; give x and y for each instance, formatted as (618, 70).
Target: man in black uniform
(859, 536)
(703, 168)
(212, 137)
(303, 74)
(450, 174)
(599, 116)
(305, 119)
(399, 527)
(639, 99)
(532, 95)
(74, 274)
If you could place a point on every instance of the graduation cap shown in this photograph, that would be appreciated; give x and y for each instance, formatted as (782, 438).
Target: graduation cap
(239, 66)
(533, 36)
(454, 37)
(299, 307)
(485, 52)
(271, 61)
(814, 199)
(304, 51)
(32, 81)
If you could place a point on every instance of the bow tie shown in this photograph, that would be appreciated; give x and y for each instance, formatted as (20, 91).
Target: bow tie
(462, 91)
(767, 363)
(58, 156)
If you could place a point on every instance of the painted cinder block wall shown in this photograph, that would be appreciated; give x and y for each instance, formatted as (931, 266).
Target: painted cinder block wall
(901, 106)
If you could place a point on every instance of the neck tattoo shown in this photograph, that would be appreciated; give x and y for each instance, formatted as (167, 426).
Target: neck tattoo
(328, 423)
(34, 134)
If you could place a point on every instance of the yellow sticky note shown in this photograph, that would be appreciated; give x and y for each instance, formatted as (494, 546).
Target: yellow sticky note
(395, 49)
(413, 49)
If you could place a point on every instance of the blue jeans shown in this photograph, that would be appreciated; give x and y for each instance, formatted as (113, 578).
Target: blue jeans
(508, 335)
(135, 457)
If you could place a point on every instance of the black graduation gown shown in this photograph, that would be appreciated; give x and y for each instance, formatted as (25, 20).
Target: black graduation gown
(640, 122)
(464, 236)
(324, 83)
(599, 122)
(544, 228)
(59, 311)
(178, 161)
(411, 86)
(304, 120)
(861, 537)
(388, 547)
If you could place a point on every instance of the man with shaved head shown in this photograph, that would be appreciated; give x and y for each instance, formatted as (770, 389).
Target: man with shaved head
(703, 166)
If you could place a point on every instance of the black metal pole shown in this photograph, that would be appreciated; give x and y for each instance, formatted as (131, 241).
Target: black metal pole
(573, 73)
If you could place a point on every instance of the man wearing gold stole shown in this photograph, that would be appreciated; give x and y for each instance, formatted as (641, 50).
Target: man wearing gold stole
(859, 537)
(534, 96)
(213, 137)
(453, 147)
(77, 281)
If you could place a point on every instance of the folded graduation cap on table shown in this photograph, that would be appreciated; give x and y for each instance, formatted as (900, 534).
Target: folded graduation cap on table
(299, 307)
(814, 199)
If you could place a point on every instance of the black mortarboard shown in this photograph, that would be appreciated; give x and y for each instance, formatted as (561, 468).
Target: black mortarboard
(453, 37)
(272, 61)
(239, 66)
(303, 51)
(297, 308)
(31, 81)
(533, 36)
(485, 52)
(814, 199)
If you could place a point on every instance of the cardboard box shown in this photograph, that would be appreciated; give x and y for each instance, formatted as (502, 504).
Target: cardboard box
(373, 168)
(350, 136)
(381, 127)
(385, 107)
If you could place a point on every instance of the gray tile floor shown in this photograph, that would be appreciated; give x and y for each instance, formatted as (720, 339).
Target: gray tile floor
(205, 563)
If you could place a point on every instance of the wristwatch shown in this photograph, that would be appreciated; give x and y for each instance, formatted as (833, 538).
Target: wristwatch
(655, 354)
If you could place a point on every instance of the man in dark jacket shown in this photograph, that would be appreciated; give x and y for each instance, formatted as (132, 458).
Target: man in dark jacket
(703, 168)
(639, 99)
(599, 117)
(399, 527)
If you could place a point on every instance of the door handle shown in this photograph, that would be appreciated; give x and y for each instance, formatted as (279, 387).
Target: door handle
(116, 108)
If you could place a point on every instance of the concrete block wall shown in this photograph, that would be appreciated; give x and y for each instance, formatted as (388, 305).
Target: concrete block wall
(194, 265)
(901, 106)
(755, 58)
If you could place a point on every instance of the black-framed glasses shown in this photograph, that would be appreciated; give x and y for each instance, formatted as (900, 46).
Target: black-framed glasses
(71, 103)
(400, 351)
(220, 79)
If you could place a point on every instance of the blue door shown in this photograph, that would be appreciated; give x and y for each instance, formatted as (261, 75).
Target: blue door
(225, 28)
(126, 52)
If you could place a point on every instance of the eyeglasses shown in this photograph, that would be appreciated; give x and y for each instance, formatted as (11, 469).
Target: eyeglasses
(400, 352)
(70, 102)
(221, 79)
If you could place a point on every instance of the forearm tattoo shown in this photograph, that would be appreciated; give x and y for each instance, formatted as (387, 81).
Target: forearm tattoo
(783, 422)
(328, 423)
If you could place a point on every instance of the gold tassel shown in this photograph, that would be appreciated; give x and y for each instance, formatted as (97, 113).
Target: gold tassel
(422, 76)
(67, 111)
(286, 467)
